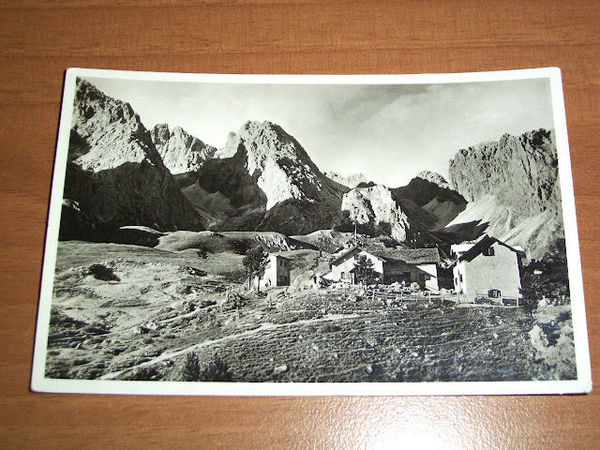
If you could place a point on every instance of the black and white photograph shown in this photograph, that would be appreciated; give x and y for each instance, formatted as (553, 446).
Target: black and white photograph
(270, 235)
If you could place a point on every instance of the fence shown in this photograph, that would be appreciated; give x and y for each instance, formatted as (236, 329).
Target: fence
(494, 296)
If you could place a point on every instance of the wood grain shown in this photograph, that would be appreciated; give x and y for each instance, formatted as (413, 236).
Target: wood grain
(39, 40)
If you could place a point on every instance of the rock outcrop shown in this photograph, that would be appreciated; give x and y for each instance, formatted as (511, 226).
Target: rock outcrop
(375, 206)
(350, 181)
(434, 178)
(429, 194)
(180, 151)
(268, 183)
(115, 176)
(513, 186)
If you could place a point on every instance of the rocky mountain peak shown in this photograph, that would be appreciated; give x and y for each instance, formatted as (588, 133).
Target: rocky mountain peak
(180, 151)
(115, 175)
(433, 177)
(113, 132)
(512, 185)
(280, 164)
(267, 140)
(521, 167)
(265, 180)
(375, 206)
(160, 134)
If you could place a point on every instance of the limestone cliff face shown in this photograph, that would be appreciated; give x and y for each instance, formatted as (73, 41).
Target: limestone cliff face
(282, 168)
(265, 180)
(180, 151)
(513, 185)
(115, 175)
(375, 205)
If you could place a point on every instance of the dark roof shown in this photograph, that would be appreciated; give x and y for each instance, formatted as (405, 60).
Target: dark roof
(408, 255)
(485, 242)
(400, 268)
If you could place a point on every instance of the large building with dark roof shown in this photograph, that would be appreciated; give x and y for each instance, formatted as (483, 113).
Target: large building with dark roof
(390, 265)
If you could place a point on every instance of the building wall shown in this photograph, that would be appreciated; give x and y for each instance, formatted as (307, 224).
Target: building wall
(432, 281)
(423, 274)
(277, 273)
(500, 271)
(460, 280)
(341, 272)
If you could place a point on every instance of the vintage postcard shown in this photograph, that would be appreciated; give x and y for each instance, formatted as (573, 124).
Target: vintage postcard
(312, 235)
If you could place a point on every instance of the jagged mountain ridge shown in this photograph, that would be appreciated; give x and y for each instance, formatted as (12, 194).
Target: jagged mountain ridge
(350, 181)
(409, 213)
(268, 183)
(180, 151)
(513, 186)
(430, 192)
(115, 176)
(263, 179)
(375, 206)
(434, 178)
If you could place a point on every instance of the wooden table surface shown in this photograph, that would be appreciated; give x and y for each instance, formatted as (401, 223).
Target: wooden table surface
(38, 41)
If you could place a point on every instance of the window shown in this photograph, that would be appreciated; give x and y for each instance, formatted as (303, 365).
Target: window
(494, 293)
(488, 251)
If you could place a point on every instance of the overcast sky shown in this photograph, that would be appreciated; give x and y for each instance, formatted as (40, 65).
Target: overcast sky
(387, 132)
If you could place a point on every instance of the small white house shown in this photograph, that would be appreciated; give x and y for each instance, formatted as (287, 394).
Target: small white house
(277, 272)
(342, 267)
(487, 268)
(390, 265)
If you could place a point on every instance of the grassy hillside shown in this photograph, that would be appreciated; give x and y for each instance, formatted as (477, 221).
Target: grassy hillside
(127, 312)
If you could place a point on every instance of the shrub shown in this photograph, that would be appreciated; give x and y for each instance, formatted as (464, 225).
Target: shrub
(216, 369)
(191, 368)
(146, 374)
(548, 278)
(101, 272)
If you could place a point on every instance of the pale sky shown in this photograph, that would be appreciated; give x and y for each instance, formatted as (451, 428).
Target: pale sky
(387, 132)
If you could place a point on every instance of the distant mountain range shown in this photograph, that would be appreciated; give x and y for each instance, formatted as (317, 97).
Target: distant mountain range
(350, 181)
(119, 173)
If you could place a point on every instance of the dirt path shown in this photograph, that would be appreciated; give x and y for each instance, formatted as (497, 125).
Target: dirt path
(263, 327)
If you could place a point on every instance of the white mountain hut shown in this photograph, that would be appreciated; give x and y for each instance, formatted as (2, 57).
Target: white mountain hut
(277, 272)
(487, 268)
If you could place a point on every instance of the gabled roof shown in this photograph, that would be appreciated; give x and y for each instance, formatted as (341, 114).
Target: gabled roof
(484, 243)
(409, 255)
(279, 255)
(349, 253)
